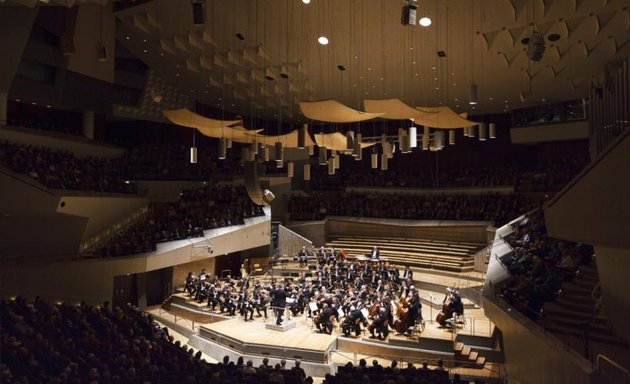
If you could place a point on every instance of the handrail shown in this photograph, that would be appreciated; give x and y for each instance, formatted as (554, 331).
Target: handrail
(614, 364)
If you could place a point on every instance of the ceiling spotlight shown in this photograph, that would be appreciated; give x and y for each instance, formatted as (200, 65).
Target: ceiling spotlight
(323, 40)
(306, 1)
(425, 21)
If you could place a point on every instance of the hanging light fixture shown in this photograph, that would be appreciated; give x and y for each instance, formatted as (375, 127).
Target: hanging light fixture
(356, 149)
(482, 132)
(290, 169)
(349, 139)
(451, 137)
(228, 143)
(279, 153)
(331, 166)
(323, 156)
(425, 139)
(413, 137)
(193, 155)
(492, 128)
(307, 172)
(438, 140)
(471, 131)
(267, 153)
(301, 139)
(473, 95)
(374, 158)
(253, 148)
(466, 130)
(311, 150)
(384, 165)
(222, 148)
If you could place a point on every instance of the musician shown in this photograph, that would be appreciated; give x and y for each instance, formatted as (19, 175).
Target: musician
(248, 306)
(303, 257)
(279, 302)
(324, 319)
(379, 325)
(353, 322)
(376, 253)
(414, 312)
(408, 273)
(226, 301)
(190, 284)
(213, 297)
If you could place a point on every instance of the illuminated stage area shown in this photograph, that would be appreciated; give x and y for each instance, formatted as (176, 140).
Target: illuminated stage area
(466, 348)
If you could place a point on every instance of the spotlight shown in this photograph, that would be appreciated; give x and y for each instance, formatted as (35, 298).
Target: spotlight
(323, 40)
(306, 1)
(425, 21)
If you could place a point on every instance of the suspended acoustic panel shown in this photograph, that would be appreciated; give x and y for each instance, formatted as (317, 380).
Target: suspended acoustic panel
(445, 118)
(252, 184)
(332, 111)
(393, 109)
(335, 141)
(188, 118)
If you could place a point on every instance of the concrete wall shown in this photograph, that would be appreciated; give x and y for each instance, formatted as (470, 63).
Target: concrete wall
(533, 357)
(613, 266)
(92, 280)
(101, 212)
(550, 132)
(594, 208)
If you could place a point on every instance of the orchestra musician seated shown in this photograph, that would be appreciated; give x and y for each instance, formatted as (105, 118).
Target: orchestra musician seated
(323, 321)
(303, 256)
(379, 325)
(353, 322)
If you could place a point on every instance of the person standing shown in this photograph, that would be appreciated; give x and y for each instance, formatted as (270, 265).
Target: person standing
(279, 297)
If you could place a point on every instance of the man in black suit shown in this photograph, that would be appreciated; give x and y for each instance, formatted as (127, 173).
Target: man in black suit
(376, 253)
(279, 302)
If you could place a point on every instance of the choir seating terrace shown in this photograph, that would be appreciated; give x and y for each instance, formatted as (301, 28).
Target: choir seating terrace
(422, 253)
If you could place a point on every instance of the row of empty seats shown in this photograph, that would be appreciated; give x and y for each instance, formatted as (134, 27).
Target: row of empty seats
(422, 253)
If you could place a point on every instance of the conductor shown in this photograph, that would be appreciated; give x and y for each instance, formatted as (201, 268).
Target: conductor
(279, 296)
(376, 253)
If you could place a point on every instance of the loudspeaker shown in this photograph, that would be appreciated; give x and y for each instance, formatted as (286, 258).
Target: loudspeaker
(535, 46)
(268, 196)
(66, 44)
(199, 16)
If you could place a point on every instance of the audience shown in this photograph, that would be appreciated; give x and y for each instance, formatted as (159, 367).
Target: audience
(48, 343)
(197, 210)
(62, 170)
(539, 264)
(487, 207)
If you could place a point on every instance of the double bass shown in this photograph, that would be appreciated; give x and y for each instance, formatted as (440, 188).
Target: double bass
(402, 311)
(447, 310)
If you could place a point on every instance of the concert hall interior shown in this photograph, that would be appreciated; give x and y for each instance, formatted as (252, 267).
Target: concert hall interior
(314, 191)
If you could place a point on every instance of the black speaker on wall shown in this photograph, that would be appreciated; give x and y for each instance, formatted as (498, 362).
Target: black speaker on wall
(198, 12)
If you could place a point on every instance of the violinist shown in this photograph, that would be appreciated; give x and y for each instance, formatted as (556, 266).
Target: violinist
(379, 325)
(353, 322)
(323, 321)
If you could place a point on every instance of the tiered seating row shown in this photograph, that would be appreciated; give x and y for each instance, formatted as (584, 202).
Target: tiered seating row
(423, 253)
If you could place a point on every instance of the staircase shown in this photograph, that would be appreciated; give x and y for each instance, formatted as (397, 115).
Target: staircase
(576, 316)
(468, 356)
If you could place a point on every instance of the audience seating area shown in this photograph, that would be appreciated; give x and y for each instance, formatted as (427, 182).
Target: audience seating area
(62, 170)
(539, 265)
(196, 211)
(422, 253)
(60, 343)
(377, 374)
(496, 208)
